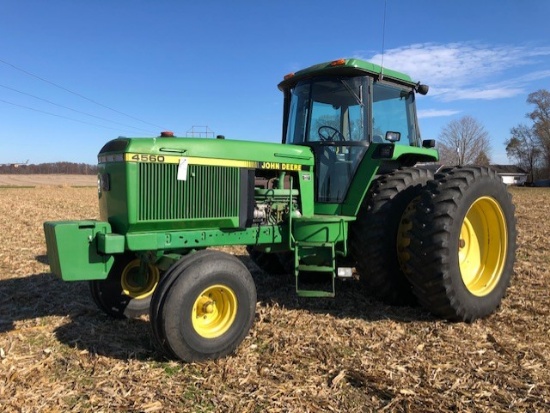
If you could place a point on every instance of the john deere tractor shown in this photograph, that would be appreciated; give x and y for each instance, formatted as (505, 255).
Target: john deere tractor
(352, 185)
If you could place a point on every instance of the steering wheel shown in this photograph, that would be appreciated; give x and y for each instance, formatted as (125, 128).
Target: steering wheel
(328, 133)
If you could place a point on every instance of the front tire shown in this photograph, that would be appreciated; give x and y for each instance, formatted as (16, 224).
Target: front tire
(207, 310)
(157, 301)
(127, 291)
(462, 244)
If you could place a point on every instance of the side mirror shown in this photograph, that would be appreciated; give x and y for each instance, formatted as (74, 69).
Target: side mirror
(393, 136)
(428, 143)
(422, 89)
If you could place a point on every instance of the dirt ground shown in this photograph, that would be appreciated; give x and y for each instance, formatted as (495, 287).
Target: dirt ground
(59, 353)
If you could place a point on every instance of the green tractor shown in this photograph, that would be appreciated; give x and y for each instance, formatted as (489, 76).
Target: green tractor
(351, 186)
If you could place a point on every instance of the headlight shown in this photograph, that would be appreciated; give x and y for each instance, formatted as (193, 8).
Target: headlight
(103, 183)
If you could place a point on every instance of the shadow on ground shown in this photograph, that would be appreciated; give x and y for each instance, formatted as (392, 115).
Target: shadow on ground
(44, 295)
(352, 299)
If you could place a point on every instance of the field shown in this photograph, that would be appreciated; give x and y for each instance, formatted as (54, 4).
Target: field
(47, 180)
(59, 353)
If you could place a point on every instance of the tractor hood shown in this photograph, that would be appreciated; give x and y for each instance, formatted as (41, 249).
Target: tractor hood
(218, 151)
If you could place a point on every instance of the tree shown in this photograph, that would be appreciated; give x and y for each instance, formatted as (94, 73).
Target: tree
(529, 146)
(482, 159)
(464, 141)
(541, 122)
(524, 148)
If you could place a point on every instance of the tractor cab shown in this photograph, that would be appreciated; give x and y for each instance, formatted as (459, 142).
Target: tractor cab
(339, 110)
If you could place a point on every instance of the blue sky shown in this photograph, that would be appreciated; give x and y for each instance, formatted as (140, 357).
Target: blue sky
(172, 65)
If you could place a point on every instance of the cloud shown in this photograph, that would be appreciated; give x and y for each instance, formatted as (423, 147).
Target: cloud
(434, 113)
(483, 94)
(468, 70)
(533, 76)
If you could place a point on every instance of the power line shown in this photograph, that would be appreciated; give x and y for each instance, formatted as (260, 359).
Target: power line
(56, 115)
(74, 110)
(78, 94)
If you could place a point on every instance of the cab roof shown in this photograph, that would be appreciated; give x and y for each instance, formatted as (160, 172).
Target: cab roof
(346, 67)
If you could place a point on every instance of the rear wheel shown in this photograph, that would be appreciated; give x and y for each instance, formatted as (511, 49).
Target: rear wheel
(207, 309)
(462, 244)
(376, 240)
(127, 291)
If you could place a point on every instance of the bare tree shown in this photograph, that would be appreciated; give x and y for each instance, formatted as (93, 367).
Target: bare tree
(525, 149)
(541, 122)
(464, 141)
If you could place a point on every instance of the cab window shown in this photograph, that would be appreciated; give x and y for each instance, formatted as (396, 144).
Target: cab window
(393, 111)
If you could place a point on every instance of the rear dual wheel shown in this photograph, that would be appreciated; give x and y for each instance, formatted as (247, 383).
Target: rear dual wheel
(127, 291)
(204, 308)
(376, 240)
(461, 244)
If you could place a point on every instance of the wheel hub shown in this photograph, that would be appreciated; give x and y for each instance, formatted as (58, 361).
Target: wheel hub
(138, 282)
(208, 308)
(214, 311)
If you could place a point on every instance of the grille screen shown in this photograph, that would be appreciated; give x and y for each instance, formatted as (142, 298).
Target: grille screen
(208, 192)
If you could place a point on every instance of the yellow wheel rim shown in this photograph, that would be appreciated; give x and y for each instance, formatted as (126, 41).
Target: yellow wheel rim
(214, 311)
(403, 240)
(137, 285)
(482, 246)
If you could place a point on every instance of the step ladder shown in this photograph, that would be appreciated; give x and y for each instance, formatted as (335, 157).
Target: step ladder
(326, 270)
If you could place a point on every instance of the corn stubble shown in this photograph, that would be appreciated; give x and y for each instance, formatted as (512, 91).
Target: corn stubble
(58, 352)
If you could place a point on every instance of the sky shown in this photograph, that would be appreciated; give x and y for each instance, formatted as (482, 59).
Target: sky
(75, 74)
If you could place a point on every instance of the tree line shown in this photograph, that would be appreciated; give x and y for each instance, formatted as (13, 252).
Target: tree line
(69, 168)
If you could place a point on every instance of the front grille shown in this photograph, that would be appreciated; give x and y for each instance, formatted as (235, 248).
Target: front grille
(208, 192)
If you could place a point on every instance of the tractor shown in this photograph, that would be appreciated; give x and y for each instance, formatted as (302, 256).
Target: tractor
(351, 189)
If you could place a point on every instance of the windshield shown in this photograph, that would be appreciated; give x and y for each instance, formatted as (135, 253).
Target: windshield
(330, 116)
(327, 109)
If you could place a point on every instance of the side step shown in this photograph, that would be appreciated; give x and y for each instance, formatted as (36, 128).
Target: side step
(324, 264)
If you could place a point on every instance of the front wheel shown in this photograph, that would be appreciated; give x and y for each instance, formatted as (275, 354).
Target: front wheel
(207, 309)
(462, 244)
(127, 291)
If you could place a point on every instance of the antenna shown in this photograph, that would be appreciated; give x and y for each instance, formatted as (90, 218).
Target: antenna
(381, 75)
